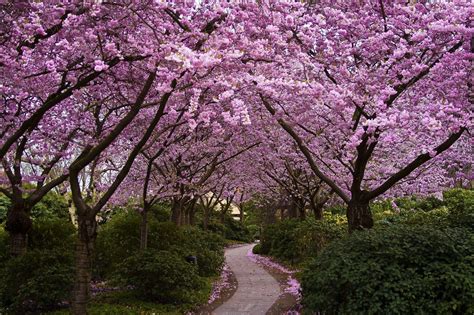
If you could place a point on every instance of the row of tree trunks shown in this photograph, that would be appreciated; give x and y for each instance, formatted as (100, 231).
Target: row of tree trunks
(183, 211)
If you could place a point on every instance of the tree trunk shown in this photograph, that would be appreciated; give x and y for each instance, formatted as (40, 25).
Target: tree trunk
(301, 209)
(176, 213)
(222, 217)
(144, 230)
(192, 216)
(18, 244)
(192, 212)
(205, 220)
(318, 211)
(241, 214)
(18, 225)
(292, 210)
(184, 215)
(282, 214)
(84, 250)
(359, 216)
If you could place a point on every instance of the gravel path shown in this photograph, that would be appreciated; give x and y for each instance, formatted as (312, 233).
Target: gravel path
(257, 290)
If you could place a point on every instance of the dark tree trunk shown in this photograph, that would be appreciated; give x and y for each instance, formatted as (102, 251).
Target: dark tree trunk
(191, 213)
(222, 217)
(282, 214)
(241, 214)
(292, 210)
(301, 209)
(176, 212)
(184, 216)
(18, 225)
(318, 212)
(358, 215)
(205, 220)
(192, 216)
(144, 229)
(84, 249)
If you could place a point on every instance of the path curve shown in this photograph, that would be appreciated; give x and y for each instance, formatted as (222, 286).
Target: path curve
(257, 290)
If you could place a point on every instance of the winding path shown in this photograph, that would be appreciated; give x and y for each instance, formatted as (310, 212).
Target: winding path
(257, 290)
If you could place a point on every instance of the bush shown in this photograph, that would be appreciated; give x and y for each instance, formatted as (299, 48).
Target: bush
(460, 203)
(3, 245)
(120, 239)
(236, 230)
(209, 262)
(396, 270)
(39, 279)
(52, 205)
(257, 249)
(52, 233)
(161, 212)
(254, 232)
(160, 275)
(295, 241)
(4, 205)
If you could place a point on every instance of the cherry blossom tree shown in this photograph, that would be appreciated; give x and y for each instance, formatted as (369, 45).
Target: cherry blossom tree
(377, 91)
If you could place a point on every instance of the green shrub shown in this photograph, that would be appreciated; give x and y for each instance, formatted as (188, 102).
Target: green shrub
(236, 230)
(257, 249)
(396, 270)
(209, 262)
(52, 205)
(254, 231)
(52, 233)
(460, 203)
(39, 279)
(3, 245)
(295, 241)
(42, 277)
(120, 239)
(4, 205)
(161, 212)
(435, 218)
(416, 203)
(160, 275)
(216, 227)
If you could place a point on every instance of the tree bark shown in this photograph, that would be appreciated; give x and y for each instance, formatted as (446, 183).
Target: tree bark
(301, 209)
(241, 213)
(292, 210)
(144, 229)
(205, 220)
(84, 249)
(176, 212)
(318, 212)
(359, 216)
(18, 225)
(191, 212)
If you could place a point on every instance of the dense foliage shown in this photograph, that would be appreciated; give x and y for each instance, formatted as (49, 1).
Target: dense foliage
(294, 241)
(160, 275)
(396, 270)
(120, 239)
(415, 262)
